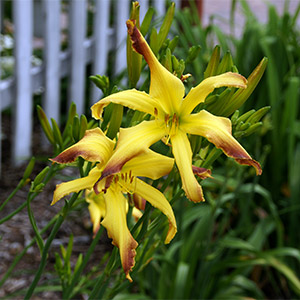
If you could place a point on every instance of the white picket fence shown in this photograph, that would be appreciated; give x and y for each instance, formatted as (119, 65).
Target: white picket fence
(17, 91)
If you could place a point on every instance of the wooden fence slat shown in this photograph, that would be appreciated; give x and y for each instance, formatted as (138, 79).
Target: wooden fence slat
(23, 22)
(144, 5)
(160, 7)
(77, 36)
(51, 100)
(101, 47)
(122, 14)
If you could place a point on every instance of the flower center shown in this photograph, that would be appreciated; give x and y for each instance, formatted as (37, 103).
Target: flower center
(171, 125)
(126, 181)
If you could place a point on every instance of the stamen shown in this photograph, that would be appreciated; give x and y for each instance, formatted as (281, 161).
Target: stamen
(155, 112)
(167, 117)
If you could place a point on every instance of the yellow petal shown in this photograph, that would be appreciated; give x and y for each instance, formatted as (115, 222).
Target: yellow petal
(202, 90)
(136, 213)
(182, 152)
(116, 225)
(164, 86)
(96, 208)
(149, 164)
(76, 185)
(217, 130)
(131, 98)
(95, 146)
(133, 141)
(158, 200)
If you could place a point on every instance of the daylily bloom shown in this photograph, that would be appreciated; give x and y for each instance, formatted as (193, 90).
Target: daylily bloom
(97, 148)
(173, 118)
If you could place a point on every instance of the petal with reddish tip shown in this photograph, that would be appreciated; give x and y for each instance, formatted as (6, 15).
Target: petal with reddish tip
(133, 141)
(131, 98)
(74, 186)
(163, 85)
(182, 152)
(95, 146)
(116, 226)
(202, 90)
(149, 164)
(217, 130)
(201, 172)
(158, 200)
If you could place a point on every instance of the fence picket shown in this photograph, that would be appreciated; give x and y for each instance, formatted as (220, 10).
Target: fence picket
(52, 62)
(122, 14)
(23, 22)
(77, 37)
(102, 32)
(160, 7)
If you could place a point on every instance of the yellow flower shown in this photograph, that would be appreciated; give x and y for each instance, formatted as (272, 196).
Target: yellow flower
(173, 118)
(97, 148)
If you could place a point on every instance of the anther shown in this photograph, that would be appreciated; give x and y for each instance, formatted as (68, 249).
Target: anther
(167, 117)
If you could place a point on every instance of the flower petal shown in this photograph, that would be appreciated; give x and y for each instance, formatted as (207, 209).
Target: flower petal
(149, 164)
(164, 85)
(202, 90)
(217, 130)
(158, 200)
(96, 208)
(183, 156)
(76, 185)
(133, 141)
(131, 98)
(116, 225)
(95, 146)
(201, 172)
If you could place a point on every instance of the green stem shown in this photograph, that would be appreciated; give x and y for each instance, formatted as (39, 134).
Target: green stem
(98, 291)
(20, 185)
(13, 213)
(51, 237)
(213, 155)
(70, 289)
(39, 239)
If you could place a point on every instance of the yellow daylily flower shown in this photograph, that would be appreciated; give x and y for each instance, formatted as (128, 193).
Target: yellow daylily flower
(111, 206)
(173, 118)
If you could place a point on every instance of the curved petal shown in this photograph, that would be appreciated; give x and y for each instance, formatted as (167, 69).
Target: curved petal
(95, 146)
(149, 164)
(131, 98)
(163, 85)
(182, 152)
(133, 141)
(76, 185)
(201, 172)
(202, 90)
(217, 130)
(158, 200)
(96, 208)
(116, 225)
